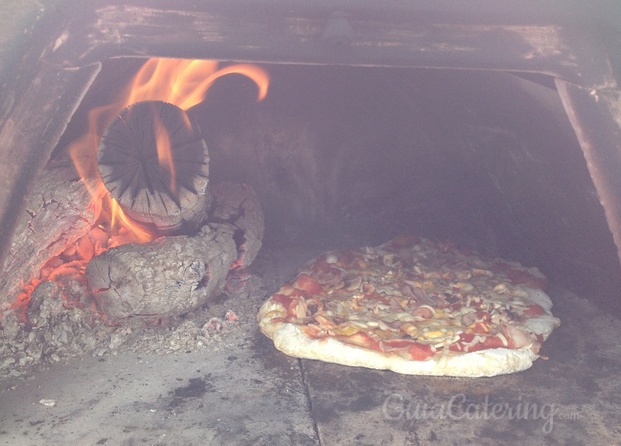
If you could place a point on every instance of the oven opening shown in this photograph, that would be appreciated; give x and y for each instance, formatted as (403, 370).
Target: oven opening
(183, 193)
(341, 156)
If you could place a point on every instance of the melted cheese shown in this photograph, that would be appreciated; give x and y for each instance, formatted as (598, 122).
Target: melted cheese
(386, 301)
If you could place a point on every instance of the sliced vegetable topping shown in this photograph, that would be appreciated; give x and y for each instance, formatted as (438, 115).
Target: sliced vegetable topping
(415, 298)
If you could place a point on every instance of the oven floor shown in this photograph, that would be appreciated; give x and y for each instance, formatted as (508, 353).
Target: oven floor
(242, 391)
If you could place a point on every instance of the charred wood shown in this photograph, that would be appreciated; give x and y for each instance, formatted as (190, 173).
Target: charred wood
(57, 214)
(167, 277)
(156, 165)
(239, 205)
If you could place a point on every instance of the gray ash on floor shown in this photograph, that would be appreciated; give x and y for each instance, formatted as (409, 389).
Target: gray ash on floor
(56, 331)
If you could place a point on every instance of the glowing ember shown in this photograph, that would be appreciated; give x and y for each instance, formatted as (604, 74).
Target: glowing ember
(183, 83)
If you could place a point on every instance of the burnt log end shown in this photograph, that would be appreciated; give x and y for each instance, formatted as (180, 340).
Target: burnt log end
(155, 163)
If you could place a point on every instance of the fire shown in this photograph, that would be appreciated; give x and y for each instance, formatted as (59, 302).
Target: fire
(183, 83)
(186, 81)
(164, 153)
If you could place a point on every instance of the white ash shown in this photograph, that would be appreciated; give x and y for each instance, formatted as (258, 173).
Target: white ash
(56, 333)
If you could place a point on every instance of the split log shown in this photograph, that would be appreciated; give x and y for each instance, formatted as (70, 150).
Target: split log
(167, 277)
(56, 215)
(156, 165)
(239, 205)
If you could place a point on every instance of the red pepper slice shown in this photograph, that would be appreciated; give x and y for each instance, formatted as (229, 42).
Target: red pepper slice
(394, 344)
(420, 352)
(282, 299)
(534, 310)
(487, 343)
(309, 284)
(483, 316)
(361, 339)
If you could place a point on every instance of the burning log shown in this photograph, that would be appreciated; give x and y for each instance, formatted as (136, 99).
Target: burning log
(239, 205)
(156, 165)
(167, 277)
(176, 274)
(56, 216)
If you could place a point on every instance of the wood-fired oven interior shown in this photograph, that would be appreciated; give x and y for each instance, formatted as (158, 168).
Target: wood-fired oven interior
(493, 128)
(350, 155)
(344, 156)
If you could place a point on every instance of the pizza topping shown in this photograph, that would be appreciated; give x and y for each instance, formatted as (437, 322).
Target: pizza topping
(304, 282)
(469, 318)
(331, 259)
(361, 339)
(285, 301)
(424, 312)
(517, 337)
(414, 298)
(353, 284)
(420, 352)
(534, 310)
(472, 343)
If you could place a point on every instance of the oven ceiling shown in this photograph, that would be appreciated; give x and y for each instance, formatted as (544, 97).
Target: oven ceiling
(51, 51)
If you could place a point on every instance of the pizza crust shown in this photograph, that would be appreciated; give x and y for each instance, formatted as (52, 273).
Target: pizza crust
(289, 339)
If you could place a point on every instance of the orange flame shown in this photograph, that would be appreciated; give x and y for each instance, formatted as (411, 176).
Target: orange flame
(183, 83)
(164, 153)
(192, 79)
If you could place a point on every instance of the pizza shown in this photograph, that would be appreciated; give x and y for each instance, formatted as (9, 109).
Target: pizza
(413, 306)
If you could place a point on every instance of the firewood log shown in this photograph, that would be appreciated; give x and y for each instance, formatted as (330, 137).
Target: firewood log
(167, 277)
(56, 215)
(239, 205)
(156, 165)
